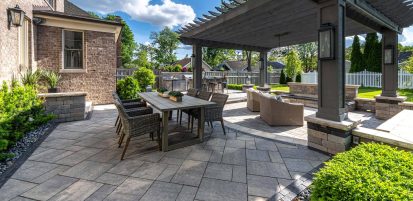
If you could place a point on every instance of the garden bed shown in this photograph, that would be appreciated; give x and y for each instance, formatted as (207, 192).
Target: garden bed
(23, 149)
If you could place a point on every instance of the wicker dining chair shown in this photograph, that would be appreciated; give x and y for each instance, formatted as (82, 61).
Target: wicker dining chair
(204, 95)
(212, 113)
(134, 126)
(192, 93)
(131, 104)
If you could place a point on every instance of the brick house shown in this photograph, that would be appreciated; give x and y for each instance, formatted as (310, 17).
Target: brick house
(57, 35)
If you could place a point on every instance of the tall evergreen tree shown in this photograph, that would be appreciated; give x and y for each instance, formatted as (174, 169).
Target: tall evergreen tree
(356, 56)
(378, 50)
(370, 52)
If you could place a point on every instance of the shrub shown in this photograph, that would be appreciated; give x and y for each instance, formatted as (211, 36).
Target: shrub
(367, 172)
(283, 79)
(235, 86)
(176, 94)
(145, 77)
(31, 77)
(298, 78)
(21, 111)
(128, 88)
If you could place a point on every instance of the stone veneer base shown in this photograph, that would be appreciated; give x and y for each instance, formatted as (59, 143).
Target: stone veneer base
(329, 136)
(66, 106)
(387, 107)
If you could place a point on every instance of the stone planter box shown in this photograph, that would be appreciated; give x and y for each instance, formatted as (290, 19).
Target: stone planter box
(67, 107)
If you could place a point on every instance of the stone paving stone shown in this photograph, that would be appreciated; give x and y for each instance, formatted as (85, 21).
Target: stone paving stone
(190, 173)
(239, 174)
(57, 143)
(257, 155)
(212, 189)
(126, 167)
(73, 148)
(268, 169)
(299, 154)
(21, 199)
(250, 144)
(171, 161)
(78, 191)
(254, 198)
(51, 155)
(199, 155)
(153, 157)
(296, 175)
(298, 165)
(66, 134)
(162, 191)
(36, 169)
(283, 183)
(179, 153)
(88, 170)
(262, 186)
(168, 173)
(44, 177)
(234, 156)
(265, 145)
(240, 144)
(216, 156)
(107, 156)
(218, 171)
(101, 193)
(216, 142)
(316, 163)
(88, 142)
(275, 157)
(49, 188)
(130, 189)
(187, 193)
(149, 170)
(112, 179)
(13, 188)
(78, 156)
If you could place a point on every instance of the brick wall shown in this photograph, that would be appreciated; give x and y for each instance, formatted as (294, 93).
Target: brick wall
(100, 62)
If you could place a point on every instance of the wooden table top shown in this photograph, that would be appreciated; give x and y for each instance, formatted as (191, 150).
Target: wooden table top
(164, 104)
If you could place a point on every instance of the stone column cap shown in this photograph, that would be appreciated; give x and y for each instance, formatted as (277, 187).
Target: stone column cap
(398, 98)
(343, 125)
(64, 94)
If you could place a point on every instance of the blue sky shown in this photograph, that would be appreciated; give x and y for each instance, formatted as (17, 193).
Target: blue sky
(146, 16)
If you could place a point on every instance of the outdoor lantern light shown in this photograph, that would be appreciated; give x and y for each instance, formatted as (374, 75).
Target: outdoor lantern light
(326, 42)
(15, 16)
(389, 54)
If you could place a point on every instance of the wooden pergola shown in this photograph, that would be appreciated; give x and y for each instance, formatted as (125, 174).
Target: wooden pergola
(260, 25)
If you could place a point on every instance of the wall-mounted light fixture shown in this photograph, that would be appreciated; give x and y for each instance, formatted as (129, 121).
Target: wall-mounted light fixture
(15, 16)
(326, 42)
(389, 55)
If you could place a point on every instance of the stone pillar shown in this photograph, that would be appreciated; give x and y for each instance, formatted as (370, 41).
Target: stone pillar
(387, 104)
(197, 66)
(328, 130)
(331, 79)
(263, 69)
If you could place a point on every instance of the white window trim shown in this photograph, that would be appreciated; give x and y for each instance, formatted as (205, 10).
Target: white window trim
(25, 27)
(53, 8)
(83, 69)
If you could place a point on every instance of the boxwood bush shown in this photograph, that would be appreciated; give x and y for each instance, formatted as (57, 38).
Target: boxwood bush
(367, 172)
(235, 86)
(128, 88)
(21, 111)
(145, 77)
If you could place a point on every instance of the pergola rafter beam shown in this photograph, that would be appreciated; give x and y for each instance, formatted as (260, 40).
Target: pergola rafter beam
(217, 44)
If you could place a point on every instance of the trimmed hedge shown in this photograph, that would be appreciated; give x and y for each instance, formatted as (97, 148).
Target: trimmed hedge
(367, 172)
(235, 86)
(145, 77)
(128, 88)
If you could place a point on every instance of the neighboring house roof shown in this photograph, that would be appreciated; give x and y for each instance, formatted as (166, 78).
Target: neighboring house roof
(184, 62)
(276, 65)
(232, 66)
(187, 62)
(404, 56)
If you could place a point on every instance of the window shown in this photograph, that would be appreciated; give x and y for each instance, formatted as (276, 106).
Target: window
(52, 3)
(72, 49)
(24, 44)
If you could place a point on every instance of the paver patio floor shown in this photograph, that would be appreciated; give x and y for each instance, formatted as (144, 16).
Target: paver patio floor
(80, 161)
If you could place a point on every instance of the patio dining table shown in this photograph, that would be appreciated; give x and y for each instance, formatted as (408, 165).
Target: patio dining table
(166, 106)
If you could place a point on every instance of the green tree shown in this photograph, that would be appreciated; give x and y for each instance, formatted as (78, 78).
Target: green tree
(372, 53)
(165, 43)
(215, 56)
(127, 39)
(251, 58)
(308, 55)
(94, 15)
(408, 65)
(141, 55)
(283, 79)
(405, 48)
(292, 65)
(356, 56)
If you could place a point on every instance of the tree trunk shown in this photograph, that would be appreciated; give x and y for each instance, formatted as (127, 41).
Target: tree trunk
(249, 58)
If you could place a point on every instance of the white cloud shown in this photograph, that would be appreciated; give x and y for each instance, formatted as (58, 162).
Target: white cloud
(168, 13)
(407, 38)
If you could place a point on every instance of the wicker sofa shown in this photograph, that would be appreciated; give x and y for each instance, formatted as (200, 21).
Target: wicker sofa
(278, 113)
(253, 100)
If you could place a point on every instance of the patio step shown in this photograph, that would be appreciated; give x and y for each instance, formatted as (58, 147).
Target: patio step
(368, 135)
(88, 108)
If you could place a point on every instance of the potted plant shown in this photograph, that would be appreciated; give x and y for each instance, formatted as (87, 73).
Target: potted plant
(52, 80)
(162, 92)
(176, 96)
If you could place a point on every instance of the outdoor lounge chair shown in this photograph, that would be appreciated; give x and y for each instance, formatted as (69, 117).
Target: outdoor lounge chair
(253, 100)
(213, 113)
(278, 113)
(135, 124)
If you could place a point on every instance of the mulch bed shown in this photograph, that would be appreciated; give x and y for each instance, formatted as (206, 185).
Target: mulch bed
(23, 149)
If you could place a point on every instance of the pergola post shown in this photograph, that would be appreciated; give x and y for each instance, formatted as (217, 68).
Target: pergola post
(328, 130)
(197, 66)
(387, 104)
(331, 79)
(263, 68)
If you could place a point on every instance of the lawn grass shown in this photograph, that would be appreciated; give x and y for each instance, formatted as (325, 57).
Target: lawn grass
(370, 93)
(280, 87)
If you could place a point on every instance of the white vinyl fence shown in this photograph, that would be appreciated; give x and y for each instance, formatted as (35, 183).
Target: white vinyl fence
(365, 79)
